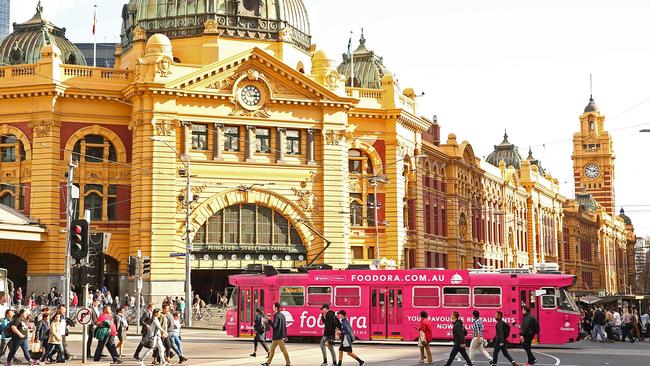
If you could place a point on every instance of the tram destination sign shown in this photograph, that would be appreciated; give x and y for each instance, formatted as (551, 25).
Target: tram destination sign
(438, 277)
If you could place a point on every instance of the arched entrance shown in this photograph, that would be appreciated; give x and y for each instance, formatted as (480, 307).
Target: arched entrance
(16, 270)
(111, 278)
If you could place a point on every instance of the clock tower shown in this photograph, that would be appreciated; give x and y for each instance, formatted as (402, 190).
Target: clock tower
(593, 158)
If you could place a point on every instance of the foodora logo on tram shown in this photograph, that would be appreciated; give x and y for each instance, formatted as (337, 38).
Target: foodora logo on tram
(312, 321)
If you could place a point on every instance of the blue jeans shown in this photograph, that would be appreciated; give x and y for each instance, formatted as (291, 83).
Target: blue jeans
(13, 348)
(176, 345)
(504, 349)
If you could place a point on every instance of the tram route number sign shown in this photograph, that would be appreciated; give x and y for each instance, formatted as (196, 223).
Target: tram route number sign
(83, 316)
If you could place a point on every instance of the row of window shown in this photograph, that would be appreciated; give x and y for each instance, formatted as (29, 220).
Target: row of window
(358, 251)
(232, 139)
(422, 296)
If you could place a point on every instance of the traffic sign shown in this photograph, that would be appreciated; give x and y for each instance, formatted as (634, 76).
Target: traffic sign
(83, 316)
(177, 254)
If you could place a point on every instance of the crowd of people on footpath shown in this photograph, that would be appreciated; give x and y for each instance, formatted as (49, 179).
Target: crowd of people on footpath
(337, 324)
(613, 323)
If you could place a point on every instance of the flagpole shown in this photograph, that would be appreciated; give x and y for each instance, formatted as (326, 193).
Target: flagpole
(351, 61)
(95, 37)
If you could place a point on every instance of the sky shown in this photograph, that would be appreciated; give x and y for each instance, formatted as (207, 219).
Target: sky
(485, 67)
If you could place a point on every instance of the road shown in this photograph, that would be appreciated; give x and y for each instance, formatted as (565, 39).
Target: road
(209, 347)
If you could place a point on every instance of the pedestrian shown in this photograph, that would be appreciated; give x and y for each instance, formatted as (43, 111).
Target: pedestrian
(167, 323)
(599, 322)
(426, 336)
(54, 341)
(6, 334)
(529, 328)
(477, 337)
(41, 333)
(259, 327)
(19, 296)
(75, 301)
(19, 336)
(331, 324)
(279, 335)
(152, 340)
(122, 329)
(105, 334)
(625, 324)
(95, 313)
(458, 333)
(347, 338)
(633, 326)
(177, 346)
(501, 340)
(181, 308)
(645, 325)
(145, 324)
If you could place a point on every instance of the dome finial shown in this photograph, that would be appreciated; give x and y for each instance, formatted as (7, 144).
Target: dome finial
(530, 153)
(622, 211)
(505, 137)
(362, 40)
(39, 7)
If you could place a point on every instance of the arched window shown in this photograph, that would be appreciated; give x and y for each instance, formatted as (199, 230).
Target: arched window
(93, 203)
(100, 200)
(94, 149)
(247, 225)
(7, 199)
(362, 200)
(11, 149)
(356, 213)
(8, 196)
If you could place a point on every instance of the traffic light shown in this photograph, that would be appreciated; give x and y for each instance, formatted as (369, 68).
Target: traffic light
(133, 266)
(78, 239)
(146, 265)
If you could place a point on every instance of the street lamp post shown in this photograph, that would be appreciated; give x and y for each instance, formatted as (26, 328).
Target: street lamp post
(188, 239)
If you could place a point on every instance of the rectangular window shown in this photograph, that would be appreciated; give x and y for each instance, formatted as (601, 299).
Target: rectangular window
(371, 253)
(292, 296)
(354, 166)
(357, 252)
(264, 222)
(248, 224)
(319, 295)
(215, 228)
(231, 218)
(548, 299)
(293, 142)
(199, 137)
(231, 138)
(370, 209)
(112, 209)
(487, 297)
(455, 297)
(262, 140)
(426, 296)
(347, 296)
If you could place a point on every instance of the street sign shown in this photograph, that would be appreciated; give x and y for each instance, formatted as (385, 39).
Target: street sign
(83, 316)
(601, 293)
(176, 254)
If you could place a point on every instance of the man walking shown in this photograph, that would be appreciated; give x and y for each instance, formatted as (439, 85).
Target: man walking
(332, 324)
(599, 321)
(279, 335)
(458, 333)
(477, 337)
(145, 321)
(95, 312)
(529, 328)
(501, 341)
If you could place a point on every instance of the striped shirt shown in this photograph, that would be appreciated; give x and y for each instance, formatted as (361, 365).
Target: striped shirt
(477, 327)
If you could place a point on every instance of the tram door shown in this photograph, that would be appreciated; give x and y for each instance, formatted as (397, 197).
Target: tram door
(386, 312)
(527, 297)
(250, 298)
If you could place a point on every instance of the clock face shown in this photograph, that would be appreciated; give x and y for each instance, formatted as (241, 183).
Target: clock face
(592, 171)
(250, 95)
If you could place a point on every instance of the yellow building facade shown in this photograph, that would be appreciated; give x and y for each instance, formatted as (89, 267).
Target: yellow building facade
(293, 160)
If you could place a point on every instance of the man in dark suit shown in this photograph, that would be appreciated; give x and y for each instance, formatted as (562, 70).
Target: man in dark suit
(145, 321)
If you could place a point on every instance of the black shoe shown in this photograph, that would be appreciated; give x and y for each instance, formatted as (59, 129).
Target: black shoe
(253, 354)
(264, 364)
(136, 356)
(118, 361)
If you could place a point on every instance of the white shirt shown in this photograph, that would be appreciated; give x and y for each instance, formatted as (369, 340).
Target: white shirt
(63, 326)
(177, 327)
(617, 319)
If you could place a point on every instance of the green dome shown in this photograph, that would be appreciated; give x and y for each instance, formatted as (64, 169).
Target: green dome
(23, 45)
(249, 19)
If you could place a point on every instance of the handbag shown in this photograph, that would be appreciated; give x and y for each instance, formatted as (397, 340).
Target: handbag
(147, 342)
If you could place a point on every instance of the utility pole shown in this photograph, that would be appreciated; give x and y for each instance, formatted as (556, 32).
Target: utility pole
(188, 245)
(138, 286)
(69, 213)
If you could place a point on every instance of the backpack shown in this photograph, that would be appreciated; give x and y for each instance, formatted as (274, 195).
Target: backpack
(506, 330)
(535, 326)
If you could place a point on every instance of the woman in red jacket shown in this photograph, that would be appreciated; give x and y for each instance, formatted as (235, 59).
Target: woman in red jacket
(426, 336)
(106, 337)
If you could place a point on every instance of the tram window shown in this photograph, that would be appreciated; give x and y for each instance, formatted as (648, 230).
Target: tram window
(319, 295)
(548, 298)
(234, 298)
(487, 297)
(347, 296)
(292, 296)
(455, 297)
(566, 301)
(426, 296)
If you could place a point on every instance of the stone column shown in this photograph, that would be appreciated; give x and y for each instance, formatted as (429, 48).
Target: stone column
(187, 137)
(250, 143)
(280, 144)
(217, 142)
(310, 147)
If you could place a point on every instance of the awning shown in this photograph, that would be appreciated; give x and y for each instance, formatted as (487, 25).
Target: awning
(590, 299)
(16, 226)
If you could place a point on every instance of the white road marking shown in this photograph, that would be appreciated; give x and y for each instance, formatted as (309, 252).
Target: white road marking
(557, 360)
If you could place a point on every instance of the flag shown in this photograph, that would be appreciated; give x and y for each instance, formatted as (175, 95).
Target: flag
(350, 45)
(94, 21)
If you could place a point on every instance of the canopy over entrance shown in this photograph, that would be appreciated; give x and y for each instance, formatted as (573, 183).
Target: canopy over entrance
(16, 226)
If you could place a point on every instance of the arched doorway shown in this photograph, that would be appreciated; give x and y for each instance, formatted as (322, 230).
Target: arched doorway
(111, 278)
(16, 270)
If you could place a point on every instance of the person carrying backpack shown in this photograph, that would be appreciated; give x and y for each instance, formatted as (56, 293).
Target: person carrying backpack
(347, 338)
(529, 328)
(458, 332)
(259, 327)
(501, 341)
(332, 324)
(6, 332)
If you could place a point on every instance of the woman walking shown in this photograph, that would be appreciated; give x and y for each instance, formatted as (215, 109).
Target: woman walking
(259, 327)
(42, 332)
(122, 328)
(153, 341)
(426, 336)
(106, 335)
(347, 338)
(19, 336)
(176, 338)
(54, 341)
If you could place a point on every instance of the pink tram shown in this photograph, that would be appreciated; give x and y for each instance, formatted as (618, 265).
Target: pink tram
(385, 304)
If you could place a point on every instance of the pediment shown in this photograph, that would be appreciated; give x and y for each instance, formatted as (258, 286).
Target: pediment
(279, 81)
